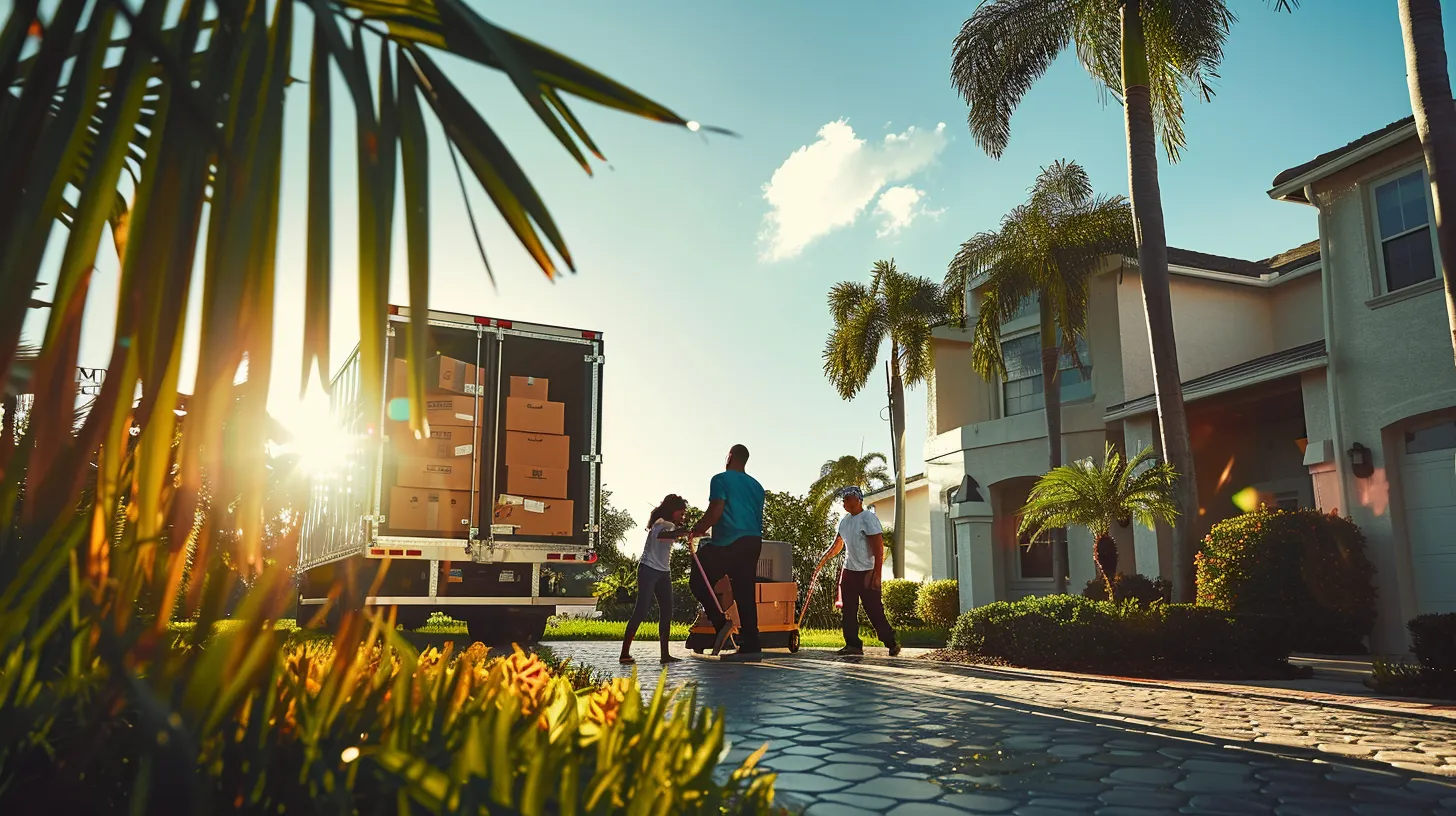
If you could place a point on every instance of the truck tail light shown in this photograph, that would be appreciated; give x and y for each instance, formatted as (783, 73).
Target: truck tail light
(591, 558)
(553, 556)
(414, 552)
(589, 335)
(483, 321)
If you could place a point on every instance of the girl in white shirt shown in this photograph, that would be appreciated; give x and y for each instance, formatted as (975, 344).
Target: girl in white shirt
(654, 578)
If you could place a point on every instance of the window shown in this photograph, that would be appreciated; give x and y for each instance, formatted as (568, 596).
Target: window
(1434, 438)
(1403, 224)
(1286, 501)
(1028, 307)
(1022, 391)
(1035, 557)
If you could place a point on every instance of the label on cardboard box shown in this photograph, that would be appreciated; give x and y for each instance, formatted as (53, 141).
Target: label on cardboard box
(441, 374)
(542, 449)
(526, 480)
(538, 416)
(443, 474)
(444, 441)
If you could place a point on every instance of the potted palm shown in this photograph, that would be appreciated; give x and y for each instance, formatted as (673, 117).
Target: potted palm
(1100, 497)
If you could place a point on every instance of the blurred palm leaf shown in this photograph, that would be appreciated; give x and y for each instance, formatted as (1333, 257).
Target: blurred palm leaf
(163, 122)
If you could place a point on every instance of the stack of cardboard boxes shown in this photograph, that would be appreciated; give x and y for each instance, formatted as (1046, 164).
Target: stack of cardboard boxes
(433, 477)
(538, 463)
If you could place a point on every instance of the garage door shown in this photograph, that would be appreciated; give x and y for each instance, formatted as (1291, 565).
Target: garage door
(1428, 480)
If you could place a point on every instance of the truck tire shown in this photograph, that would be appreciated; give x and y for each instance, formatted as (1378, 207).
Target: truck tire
(499, 628)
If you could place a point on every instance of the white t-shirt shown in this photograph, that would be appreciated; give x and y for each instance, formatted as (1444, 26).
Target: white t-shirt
(856, 530)
(656, 550)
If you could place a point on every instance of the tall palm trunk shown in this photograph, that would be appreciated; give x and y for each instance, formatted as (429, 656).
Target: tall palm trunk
(897, 434)
(1152, 243)
(1051, 383)
(1430, 91)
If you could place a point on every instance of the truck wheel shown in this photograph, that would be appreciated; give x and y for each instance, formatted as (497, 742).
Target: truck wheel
(528, 629)
(794, 642)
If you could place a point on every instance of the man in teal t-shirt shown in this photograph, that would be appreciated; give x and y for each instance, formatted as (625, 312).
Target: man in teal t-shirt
(735, 514)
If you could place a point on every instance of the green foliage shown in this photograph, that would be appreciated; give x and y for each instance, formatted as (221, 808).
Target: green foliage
(1402, 679)
(1305, 567)
(616, 593)
(866, 472)
(617, 524)
(900, 597)
(1086, 494)
(1073, 633)
(1139, 589)
(1433, 639)
(895, 306)
(939, 603)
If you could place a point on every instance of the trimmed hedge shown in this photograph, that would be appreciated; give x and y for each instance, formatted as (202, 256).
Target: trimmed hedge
(1071, 633)
(1305, 567)
(900, 597)
(1433, 639)
(1138, 588)
(939, 603)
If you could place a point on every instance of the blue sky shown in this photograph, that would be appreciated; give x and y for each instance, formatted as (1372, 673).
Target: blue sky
(714, 333)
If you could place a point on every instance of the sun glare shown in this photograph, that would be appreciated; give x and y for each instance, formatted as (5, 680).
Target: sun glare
(321, 445)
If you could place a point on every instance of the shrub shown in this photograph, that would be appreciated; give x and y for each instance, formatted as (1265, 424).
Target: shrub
(1304, 567)
(1433, 639)
(939, 603)
(1075, 633)
(616, 593)
(900, 597)
(1139, 588)
(341, 729)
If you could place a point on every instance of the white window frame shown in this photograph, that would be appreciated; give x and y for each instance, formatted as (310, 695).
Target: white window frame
(1382, 282)
(1086, 362)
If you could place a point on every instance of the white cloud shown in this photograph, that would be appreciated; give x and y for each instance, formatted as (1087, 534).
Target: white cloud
(827, 185)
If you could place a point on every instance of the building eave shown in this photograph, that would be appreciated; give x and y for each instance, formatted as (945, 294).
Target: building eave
(1292, 190)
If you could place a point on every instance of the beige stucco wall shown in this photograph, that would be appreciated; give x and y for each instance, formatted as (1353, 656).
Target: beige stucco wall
(918, 566)
(1390, 364)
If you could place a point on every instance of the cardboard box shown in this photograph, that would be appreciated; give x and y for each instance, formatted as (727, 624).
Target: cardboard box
(444, 441)
(441, 374)
(413, 508)
(537, 416)
(532, 388)
(538, 517)
(770, 615)
(777, 592)
(529, 480)
(538, 449)
(441, 474)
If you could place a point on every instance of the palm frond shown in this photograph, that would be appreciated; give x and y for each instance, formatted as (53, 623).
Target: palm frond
(1000, 52)
(1094, 496)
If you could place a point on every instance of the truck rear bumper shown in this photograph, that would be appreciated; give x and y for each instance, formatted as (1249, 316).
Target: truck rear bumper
(409, 600)
(435, 549)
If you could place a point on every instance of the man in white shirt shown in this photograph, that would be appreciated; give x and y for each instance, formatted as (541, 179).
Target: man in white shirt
(863, 541)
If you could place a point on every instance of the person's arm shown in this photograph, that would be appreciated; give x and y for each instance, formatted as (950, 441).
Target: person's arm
(834, 549)
(876, 544)
(710, 517)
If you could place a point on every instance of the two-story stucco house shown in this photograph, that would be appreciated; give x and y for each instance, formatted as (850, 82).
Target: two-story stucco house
(1298, 370)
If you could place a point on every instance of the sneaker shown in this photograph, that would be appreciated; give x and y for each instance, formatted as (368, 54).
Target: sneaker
(850, 651)
(671, 659)
(724, 632)
(743, 656)
(894, 650)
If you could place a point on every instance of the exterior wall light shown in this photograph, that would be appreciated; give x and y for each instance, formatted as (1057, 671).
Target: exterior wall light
(968, 491)
(1361, 463)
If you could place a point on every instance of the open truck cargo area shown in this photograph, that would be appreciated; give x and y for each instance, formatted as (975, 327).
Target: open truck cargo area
(493, 518)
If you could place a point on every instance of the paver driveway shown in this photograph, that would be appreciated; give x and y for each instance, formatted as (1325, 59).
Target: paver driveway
(874, 735)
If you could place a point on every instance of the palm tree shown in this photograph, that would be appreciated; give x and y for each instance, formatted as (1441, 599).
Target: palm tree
(866, 472)
(898, 307)
(1435, 114)
(1048, 248)
(1145, 53)
(1116, 493)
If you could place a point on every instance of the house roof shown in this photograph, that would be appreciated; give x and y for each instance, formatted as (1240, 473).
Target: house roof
(889, 492)
(1396, 131)
(1286, 261)
(1250, 372)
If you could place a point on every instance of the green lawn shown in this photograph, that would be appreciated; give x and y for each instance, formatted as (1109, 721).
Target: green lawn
(570, 629)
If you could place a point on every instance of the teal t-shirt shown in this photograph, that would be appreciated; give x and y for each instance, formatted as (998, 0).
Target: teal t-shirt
(742, 498)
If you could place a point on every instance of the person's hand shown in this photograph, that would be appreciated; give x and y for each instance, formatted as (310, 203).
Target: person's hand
(874, 579)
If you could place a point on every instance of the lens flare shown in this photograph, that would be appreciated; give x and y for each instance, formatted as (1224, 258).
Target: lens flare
(1247, 500)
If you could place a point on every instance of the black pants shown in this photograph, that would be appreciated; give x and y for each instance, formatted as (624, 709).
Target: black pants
(738, 561)
(652, 583)
(854, 587)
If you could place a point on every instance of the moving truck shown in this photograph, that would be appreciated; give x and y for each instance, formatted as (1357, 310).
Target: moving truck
(494, 518)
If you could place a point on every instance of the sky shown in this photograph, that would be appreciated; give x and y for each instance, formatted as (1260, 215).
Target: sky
(705, 260)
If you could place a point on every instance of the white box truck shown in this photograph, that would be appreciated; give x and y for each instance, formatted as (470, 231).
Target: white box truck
(493, 520)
